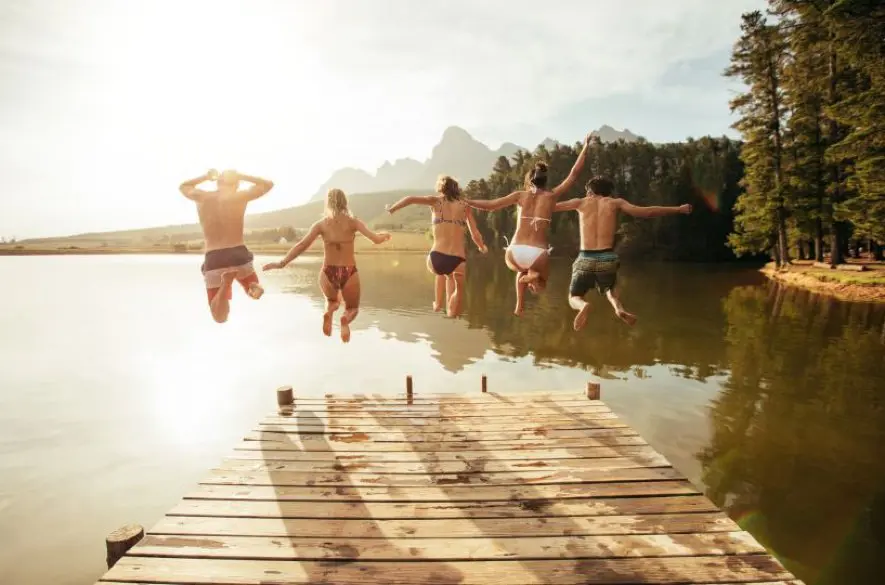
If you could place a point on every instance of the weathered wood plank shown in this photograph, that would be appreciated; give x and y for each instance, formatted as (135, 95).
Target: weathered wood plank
(452, 399)
(484, 409)
(462, 436)
(360, 444)
(333, 426)
(478, 423)
(478, 464)
(451, 493)
(484, 528)
(294, 478)
(670, 570)
(442, 510)
(321, 412)
(447, 549)
(257, 450)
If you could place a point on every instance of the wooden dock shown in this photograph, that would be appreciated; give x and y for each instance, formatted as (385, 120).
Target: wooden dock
(481, 489)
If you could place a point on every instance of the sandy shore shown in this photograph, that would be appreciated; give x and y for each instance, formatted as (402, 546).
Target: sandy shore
(866, 286)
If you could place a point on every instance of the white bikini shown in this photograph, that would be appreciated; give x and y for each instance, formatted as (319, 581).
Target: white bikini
(524, 255)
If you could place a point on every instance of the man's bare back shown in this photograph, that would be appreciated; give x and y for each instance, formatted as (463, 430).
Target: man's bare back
(597, 264)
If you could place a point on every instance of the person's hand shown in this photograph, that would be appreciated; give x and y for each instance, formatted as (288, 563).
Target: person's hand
(385, 236)
(588, 138)
(212, 174)
(388, 209)
(686, 209)
(483, 249)
(273, 266)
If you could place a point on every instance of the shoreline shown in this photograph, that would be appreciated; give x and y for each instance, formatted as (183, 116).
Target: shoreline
(257, 250)
(801, 277)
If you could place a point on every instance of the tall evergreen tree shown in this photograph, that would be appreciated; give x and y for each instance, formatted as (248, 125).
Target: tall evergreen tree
(758, 59)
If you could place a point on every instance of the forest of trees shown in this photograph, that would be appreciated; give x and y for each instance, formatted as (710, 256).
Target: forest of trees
(808, 177)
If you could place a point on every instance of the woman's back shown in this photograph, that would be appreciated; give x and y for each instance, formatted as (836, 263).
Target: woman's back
(449, 220)
(534, 213)
(339, 235)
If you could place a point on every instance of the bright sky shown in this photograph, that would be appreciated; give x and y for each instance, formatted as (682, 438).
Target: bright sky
(107, 105)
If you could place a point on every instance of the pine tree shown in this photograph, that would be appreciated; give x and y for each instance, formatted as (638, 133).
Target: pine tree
(758, 59)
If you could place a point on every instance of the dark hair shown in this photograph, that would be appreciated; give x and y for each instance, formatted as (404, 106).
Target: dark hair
(537, 176)
(448, 187)
(600, 185)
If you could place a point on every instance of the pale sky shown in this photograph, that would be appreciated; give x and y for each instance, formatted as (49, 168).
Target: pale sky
(107, 105)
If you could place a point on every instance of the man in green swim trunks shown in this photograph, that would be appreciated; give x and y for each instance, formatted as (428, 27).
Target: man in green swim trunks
(597, 264)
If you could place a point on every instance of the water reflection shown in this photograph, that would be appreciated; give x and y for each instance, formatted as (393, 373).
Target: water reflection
(798, 428)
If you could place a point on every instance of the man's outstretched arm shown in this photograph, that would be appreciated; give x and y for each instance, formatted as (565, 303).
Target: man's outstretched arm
(190, 188)
(652, 211)
(570, 205)
(259, 187)
(495, 204)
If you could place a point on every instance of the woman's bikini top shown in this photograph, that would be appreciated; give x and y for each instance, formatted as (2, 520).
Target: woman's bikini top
(440, 219)
(535, 220)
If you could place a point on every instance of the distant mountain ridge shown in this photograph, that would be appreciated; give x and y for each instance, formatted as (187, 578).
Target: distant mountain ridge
(458, 154)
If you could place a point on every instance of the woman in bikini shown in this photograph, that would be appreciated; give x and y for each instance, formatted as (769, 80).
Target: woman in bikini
(528, 254)
(339, 279)
(447, 258)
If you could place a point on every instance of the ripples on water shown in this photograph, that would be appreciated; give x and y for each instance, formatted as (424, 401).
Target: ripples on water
(118, 391)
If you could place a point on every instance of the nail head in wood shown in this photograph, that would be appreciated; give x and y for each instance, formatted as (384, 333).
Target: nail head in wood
(593, 390)
(285, 396)
(409, 386)
(121, 540)
(485, 383)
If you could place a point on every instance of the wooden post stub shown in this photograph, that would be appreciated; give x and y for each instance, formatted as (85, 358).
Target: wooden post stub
(485, 383)
(285, 396)
(593, 390)
(121, 540)
(409, 386)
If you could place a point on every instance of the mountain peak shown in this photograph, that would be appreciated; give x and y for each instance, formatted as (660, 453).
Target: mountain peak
(456, 133)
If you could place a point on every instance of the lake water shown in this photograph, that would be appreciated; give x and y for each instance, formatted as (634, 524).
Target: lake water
(118, 392)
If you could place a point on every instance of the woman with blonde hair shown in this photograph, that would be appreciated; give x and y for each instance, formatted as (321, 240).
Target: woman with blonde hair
(447, 258)
(339, 279)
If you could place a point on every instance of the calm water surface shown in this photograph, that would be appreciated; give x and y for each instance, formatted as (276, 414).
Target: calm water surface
(118, 392)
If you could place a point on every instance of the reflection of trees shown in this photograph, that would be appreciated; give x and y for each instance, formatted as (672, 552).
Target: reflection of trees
(678, 306)
(798, 431)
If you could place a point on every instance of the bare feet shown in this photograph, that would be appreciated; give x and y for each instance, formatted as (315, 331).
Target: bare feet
(518, 310)
(437, 307)
(581, 317)
(346, 319)
(628, 318)
(255, 291)
(228, 278)
(327, 324)
(529, 277)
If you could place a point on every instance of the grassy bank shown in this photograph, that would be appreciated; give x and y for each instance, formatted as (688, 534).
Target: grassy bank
(401, 242)
(866, 286)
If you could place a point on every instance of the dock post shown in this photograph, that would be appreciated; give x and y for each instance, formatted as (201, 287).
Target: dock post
(409, 387)
(121, 540)
(593, 390)
(485, 383)
(285, 396)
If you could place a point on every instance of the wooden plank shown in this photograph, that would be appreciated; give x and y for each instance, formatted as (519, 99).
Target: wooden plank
(360, 462)
(294, 478)
(452, 493)
(671, 570)
(440, 510)
(436, 413)
(474, 465)
(313, 444)
(476, 422)
(485, 409)
(465, 436)
(447, 549)
(450, 399)
(261, 451)
(484, 528)
(374, 427)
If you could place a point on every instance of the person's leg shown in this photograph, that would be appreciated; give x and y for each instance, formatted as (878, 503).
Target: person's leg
(332, 301)
(351, 295)
(219, 299)
(439, 285)
(248, 279)
(581, 282)
(520, 286)
(457, 299)
(623, 315)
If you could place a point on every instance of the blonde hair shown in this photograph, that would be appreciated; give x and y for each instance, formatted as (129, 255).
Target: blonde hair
(448, 187)
(336, 203)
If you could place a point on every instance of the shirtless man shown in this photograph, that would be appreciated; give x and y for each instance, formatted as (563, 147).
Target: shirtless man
(528, 254)
(597, 264)
(221, 216)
